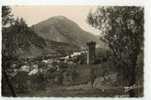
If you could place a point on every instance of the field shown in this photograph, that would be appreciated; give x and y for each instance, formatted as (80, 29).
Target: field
(79, 85)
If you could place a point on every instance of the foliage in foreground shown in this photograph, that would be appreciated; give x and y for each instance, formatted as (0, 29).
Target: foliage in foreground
(122, 29)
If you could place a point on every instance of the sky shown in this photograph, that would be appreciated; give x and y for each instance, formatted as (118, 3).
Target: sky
(34, 14)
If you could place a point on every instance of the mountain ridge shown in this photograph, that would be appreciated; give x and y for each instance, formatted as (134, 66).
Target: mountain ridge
(62, 29)
(56, 36)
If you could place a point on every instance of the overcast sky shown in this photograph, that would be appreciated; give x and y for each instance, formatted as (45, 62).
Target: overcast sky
(35, 14)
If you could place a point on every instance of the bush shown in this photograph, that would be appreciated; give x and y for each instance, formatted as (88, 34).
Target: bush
(20, 82)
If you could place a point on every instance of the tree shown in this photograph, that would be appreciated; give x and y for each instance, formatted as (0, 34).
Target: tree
(12, 40)
(6, 16)
(122, 29)
(7, 19)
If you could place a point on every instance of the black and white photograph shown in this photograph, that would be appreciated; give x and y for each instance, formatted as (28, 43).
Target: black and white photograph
(72, 51)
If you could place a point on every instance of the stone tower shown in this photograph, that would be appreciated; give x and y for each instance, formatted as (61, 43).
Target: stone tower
(91, 52)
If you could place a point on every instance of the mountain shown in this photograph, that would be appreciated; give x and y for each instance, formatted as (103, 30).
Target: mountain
(57, 36)
(21, 41)
(61, 29)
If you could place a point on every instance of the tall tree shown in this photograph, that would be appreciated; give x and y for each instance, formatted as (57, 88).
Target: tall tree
(122, 29)
(7, 19)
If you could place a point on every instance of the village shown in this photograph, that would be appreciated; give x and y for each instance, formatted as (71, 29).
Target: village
(75, 71)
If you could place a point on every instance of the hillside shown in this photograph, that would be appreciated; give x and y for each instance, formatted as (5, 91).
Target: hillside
(57, 36)
(21, 41)
(61, 29)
